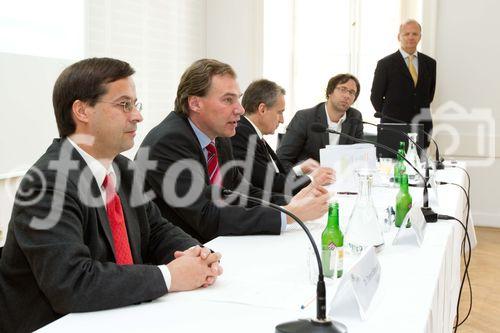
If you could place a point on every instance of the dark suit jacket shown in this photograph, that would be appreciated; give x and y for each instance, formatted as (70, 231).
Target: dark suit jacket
(70, 267)
(256, 169)
(174, 143)
(394, 93)
(300, 143)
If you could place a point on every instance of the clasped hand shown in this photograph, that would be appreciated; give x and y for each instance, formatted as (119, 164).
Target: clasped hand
(193, 268)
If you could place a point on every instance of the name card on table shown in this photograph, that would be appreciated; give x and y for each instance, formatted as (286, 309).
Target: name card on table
(418, 224)
(358, 286)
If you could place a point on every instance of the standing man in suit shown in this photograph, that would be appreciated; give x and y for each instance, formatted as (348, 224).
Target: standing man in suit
(76, 240)
(264, 104)
(191, 148)
(404, 82)
(300, 143)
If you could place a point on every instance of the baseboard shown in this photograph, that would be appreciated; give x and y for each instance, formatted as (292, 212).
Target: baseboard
(486, 220)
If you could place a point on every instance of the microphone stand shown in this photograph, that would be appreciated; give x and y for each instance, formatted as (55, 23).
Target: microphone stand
(439, 160)
(429, 214)
(320, 323)
(393, 130)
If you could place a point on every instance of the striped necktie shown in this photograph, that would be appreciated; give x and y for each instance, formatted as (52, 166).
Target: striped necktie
(213, 164)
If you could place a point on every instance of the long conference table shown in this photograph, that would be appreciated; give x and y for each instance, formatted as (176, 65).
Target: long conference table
(267, 278)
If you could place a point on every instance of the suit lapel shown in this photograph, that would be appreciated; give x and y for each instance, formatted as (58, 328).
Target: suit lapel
(133, 230)
(103, 220)
(402, 64)
(273, 155)
(321, 118)
(200, 154)
(100, 206)
(262, 144)
(422, 68)
(346, 129)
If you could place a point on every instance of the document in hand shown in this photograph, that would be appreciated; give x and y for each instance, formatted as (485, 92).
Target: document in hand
(346, 159)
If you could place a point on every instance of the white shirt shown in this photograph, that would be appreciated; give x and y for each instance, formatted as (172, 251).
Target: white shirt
(259, 134)
(406, 57)
(333, 139)
(99, 172)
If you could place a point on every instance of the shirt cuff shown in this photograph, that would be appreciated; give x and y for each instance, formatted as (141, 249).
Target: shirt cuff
(166, 275)
(283, 222)
(298, 170)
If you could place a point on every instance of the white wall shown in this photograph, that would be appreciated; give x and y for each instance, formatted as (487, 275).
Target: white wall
(466, 48)
(234, 36)
(158, 38)
(467, 51)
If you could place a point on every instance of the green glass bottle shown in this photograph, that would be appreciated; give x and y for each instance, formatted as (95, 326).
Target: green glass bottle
(403, 201)
(332, 244)
(399, 166)
(402, 145)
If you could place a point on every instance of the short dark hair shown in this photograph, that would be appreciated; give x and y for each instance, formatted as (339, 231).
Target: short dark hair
(84, 81)
(261, 91)
(341, 79)
(196, 81)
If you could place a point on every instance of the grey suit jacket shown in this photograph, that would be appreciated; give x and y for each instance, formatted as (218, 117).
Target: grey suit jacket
(300, 143)
(66, 263)
(173, 142)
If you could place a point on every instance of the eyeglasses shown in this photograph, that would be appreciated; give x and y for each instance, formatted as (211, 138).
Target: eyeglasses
(346, 90)
(128, 106)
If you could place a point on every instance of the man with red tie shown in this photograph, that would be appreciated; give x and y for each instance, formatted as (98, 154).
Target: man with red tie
(193, 153)
(83, 236)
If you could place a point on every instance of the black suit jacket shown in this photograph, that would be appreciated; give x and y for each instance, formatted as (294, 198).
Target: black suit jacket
(174, 143)
(70, 267)
(256, 168)
(300, 143)
(394, 93)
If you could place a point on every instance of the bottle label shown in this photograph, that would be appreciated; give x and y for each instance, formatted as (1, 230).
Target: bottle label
(334, 266)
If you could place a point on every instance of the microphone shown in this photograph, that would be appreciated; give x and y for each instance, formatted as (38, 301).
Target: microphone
(320, 323)
(393, 130)
(439, 160)
(429, 214)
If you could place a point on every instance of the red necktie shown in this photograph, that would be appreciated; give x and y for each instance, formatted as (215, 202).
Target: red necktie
(114, 210)
(213, 164)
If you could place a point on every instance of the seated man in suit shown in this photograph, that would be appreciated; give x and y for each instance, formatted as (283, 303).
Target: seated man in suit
(264, 104)
(300, 142)
(77, 242)
(192, 150)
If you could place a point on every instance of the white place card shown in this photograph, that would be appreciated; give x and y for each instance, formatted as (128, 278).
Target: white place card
(418, 224)
(361, 284)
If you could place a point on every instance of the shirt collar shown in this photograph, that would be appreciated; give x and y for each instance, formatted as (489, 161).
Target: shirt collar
(96, 167)
(341, 120)
(259, 133)
(406, 54)
(203, 139)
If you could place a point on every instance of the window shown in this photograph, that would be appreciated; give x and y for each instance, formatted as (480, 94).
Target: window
(308, 42)
(49, 28)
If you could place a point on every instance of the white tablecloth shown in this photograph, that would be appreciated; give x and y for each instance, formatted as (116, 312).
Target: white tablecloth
(266, 279)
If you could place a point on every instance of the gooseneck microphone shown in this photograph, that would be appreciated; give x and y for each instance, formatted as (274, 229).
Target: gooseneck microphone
(320, 323)
(439, 160)
(393, 130)
(429, 214)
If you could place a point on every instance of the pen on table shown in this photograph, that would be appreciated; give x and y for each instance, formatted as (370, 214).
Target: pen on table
(347, 193)
(306, 304)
